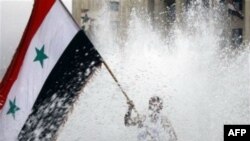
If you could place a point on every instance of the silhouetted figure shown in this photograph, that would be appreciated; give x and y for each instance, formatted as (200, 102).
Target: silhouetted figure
(85, 20)
(154, 126)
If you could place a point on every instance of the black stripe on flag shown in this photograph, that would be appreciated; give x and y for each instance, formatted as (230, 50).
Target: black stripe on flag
(61, 89)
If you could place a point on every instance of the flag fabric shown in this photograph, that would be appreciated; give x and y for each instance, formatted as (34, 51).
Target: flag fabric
(52, 64)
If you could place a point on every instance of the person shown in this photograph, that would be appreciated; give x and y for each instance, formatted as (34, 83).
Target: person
(154, 126)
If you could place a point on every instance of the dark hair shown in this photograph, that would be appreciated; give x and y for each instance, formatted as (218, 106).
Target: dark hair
(156, 99)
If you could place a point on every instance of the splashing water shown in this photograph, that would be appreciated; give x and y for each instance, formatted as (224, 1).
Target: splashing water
(203, 82)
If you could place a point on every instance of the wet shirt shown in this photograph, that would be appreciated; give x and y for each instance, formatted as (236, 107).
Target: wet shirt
(159, 130)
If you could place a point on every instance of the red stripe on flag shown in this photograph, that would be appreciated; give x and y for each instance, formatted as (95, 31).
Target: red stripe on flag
(39, 12)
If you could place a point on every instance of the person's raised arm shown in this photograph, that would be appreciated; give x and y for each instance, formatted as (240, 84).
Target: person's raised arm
(128, 120)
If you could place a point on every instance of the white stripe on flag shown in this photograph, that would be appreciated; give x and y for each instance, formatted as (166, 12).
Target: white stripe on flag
(55, 33)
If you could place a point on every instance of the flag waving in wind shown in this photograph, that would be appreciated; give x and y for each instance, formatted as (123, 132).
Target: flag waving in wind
(53, 62)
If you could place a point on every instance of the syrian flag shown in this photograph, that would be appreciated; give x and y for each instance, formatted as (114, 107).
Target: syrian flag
(52, 64)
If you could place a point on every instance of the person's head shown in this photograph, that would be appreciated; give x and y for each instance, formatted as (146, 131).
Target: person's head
(155, 104)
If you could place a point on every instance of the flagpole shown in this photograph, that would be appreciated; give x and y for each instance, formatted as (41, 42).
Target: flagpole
(119, 85)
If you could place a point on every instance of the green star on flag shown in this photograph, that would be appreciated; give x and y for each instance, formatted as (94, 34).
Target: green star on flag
(40, 55)
(13, 108)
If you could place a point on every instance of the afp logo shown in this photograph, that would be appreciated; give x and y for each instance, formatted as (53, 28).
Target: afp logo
(236, 132)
